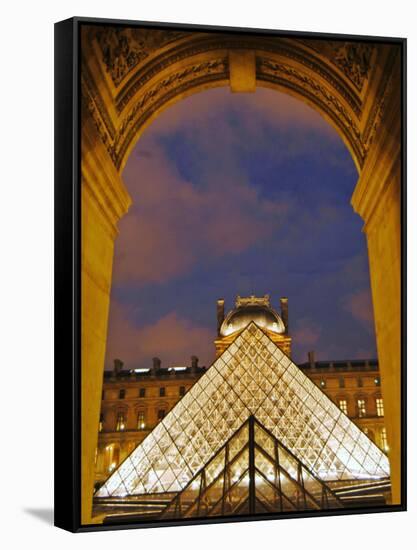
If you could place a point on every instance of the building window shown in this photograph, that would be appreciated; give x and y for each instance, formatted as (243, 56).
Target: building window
(341, 382)
(122, 394)
(369, 433)
(161, 392)
(142, 392)
(343, 405)
(360, 383)
(120, 425)
(103, 395)
(100, 424)
(161, 414)
(182, 391)
(322, 383)
(379, 406)
(112, 457)
(377, 381)
(361, 408)
(141, 421)
(384, 442)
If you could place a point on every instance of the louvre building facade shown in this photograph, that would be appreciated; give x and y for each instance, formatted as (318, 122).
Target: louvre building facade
(253, 435)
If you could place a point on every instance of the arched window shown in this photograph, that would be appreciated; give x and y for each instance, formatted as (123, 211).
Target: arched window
(343, 405)
(369, 433)
(361, 407)
(121, 421)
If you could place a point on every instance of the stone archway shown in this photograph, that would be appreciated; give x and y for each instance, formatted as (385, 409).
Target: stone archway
(129, 76)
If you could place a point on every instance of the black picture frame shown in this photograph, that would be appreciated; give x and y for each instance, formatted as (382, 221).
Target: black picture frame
(68, 273)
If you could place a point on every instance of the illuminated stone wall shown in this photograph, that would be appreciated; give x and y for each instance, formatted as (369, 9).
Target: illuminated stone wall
(354, 86)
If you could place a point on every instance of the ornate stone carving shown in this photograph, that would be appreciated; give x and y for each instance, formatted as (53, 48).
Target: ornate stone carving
(354, 60)
(90, 109)
(306, 85)
(253, 301)
(123, 48)
(146, 104)
(378, 109)
(205, 43)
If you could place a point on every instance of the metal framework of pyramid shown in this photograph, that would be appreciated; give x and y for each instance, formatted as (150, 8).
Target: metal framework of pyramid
(252, 473)
(252, 377)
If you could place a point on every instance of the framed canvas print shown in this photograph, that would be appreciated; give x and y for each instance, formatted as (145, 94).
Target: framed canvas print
(230, 282)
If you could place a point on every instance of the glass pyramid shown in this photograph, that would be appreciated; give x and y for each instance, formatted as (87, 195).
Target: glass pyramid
(252, 377)
(252, 473)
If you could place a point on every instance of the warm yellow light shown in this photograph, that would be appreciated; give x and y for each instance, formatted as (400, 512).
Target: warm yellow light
(161, 471)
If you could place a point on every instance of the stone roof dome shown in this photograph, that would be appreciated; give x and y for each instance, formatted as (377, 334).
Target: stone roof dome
(254, 309)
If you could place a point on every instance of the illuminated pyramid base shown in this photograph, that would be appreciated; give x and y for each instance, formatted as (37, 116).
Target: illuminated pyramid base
(252, 377)
(252, 473)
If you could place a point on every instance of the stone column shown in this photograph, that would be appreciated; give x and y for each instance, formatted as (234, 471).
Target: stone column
(377, 199)
(104, 200)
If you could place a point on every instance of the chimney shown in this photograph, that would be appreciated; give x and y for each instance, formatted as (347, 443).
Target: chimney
(118, 366)
(194, 363)
(311, 359)
(156, 364)
(220, 314)
(284, 312)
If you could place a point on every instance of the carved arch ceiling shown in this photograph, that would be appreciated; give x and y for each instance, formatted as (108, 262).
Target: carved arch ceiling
(130, 75)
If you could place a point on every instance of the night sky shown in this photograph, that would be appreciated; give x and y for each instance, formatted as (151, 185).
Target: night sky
(239, 194)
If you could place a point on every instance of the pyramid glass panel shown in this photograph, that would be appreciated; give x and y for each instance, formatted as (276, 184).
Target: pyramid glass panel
(251, 480)
(252, 377)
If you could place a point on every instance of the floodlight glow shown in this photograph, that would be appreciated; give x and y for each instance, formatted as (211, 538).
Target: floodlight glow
(252, 377)
(177, 369)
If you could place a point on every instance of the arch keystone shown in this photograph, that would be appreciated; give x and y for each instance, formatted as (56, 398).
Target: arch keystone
(242, 71)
